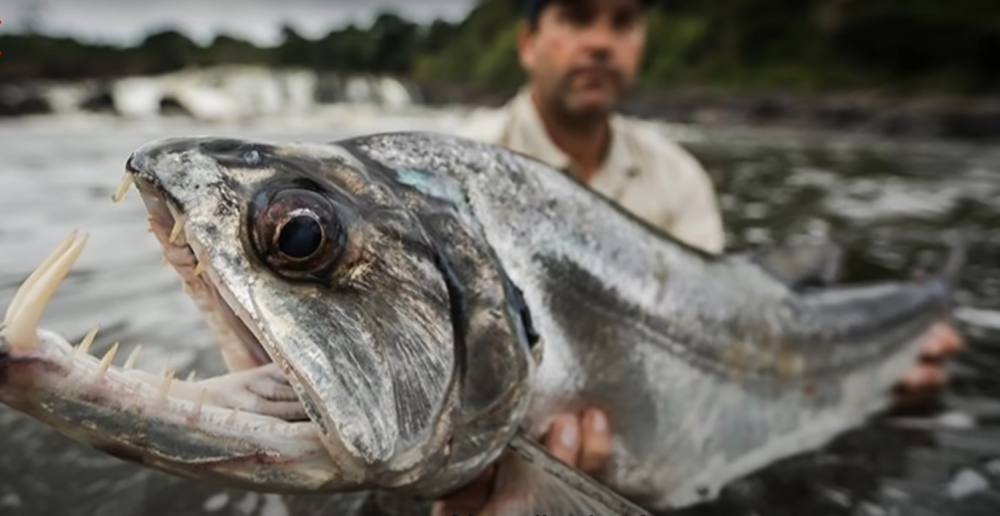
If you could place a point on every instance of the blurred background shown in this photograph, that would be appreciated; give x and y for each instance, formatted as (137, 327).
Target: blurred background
(871, 122)
(925, 67)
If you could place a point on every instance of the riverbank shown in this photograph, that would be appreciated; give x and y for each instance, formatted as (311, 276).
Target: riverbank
(966, 119)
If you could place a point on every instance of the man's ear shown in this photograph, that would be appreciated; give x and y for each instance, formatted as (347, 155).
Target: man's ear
(525, 46)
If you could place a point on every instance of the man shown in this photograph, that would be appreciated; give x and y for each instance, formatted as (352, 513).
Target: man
(582, 56)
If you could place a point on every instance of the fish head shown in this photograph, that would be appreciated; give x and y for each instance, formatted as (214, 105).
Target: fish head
(386, 313)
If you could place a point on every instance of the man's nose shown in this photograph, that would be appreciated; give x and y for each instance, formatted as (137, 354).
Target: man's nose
(600, 36)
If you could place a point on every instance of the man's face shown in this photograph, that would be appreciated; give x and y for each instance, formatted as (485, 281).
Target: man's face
(583, 55)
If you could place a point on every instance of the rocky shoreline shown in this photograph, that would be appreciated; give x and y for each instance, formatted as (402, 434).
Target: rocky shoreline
(974, 120)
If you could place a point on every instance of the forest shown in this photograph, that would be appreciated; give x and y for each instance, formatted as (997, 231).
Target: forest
(887, 47)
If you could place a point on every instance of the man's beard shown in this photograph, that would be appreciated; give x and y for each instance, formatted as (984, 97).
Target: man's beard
(563, 101)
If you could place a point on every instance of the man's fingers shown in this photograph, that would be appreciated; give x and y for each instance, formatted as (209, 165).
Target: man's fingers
(596, 443)
(918, 384)
(924, 377)
(581, 442)
(944, 340)
(563, 438)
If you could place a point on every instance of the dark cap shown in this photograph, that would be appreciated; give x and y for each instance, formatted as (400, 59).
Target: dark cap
(532, 8)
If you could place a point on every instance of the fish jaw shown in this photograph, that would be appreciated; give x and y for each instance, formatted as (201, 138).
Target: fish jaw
(384, 419)
(157, 421)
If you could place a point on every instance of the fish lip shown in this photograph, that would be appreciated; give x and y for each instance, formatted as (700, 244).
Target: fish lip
(139, 165)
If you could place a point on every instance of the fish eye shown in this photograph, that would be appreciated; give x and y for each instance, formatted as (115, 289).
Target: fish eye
(297, 233)
(300, 237)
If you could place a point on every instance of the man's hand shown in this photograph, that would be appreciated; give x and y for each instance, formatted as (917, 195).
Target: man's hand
(581, 441)
(928, 374)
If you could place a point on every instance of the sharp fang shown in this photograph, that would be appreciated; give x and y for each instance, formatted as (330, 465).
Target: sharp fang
(191, 375)
(132, 357)
(177, 230)
(199, 402)
(108, 358)
(126, 183)
(200, 268)
(84, 347)
(29, 283)
(35, 294)
(168, 379)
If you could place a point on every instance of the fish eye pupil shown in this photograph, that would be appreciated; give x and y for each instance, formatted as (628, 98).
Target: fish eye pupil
(300, 237)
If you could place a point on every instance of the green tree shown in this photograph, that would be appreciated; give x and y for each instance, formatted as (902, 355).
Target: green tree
(166, 51)
(296, 50)
(226, 49)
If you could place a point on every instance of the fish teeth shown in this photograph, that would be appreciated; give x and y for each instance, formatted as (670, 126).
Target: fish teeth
(123, 188)
(132, 357)
(177, 232)
(25, 310)
(164, 391)
(83, 347)
(199, 402)
(106, 361)
(200, 268)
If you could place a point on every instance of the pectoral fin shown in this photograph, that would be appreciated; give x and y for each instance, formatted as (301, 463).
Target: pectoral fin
(531, 481)
(801, 264)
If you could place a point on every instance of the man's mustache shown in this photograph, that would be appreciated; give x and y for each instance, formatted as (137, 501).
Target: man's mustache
(586, 68)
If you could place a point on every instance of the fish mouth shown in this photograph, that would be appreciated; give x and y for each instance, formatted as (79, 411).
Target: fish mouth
(239, 341)
(247, 429)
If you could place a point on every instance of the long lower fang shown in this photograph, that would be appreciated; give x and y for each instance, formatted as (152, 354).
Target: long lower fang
(35, 294)
(29, 283)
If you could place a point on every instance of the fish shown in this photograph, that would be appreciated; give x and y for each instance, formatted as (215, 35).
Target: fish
(399, 311)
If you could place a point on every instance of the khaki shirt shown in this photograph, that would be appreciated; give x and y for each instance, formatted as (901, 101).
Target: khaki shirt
(645, 173)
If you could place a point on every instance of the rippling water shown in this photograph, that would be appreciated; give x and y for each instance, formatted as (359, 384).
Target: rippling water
(887, 202)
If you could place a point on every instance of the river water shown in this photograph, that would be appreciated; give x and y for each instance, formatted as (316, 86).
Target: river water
(888, 202)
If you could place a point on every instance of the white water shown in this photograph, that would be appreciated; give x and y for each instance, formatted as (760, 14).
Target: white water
(229, 93)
